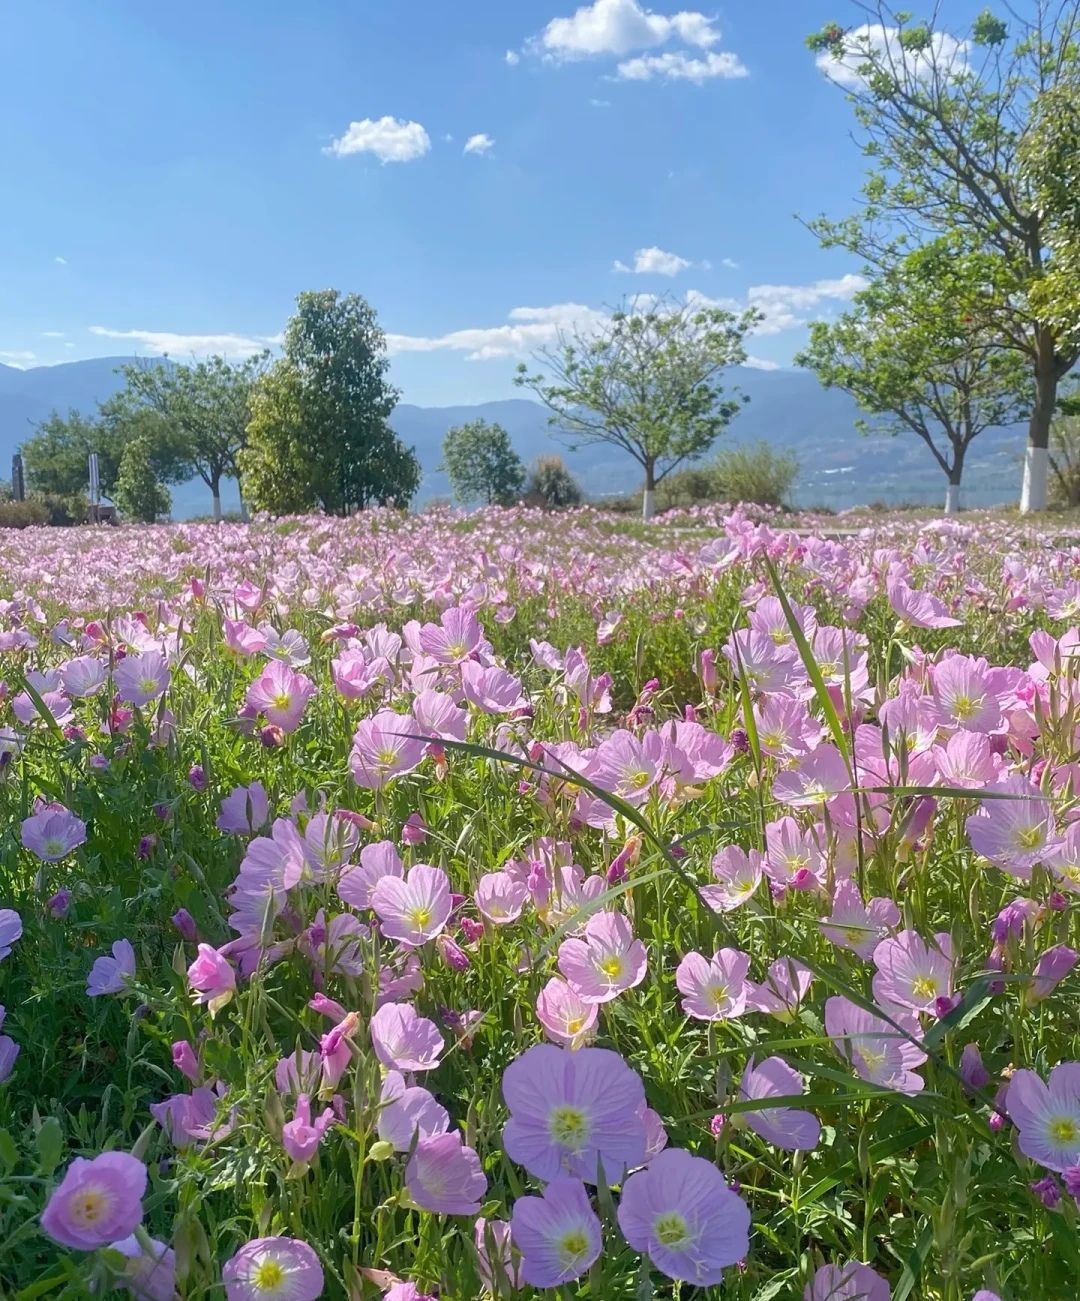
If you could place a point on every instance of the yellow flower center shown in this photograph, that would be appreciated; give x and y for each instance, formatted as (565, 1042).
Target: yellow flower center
(671, 1229)
(611, 967)
(281, 701)
(268, 1275)
(638, 780)
(718, 995)
(573, 1244)
(569, 1127)
(420, 917)
(148, 686)
(574, 1024)
(779, 636)
(1028, 837)
(924, 987)
(872, 1059)
(457, 650)
(386, 758)
(854, 935)
(88, 1206)
(965, 707)
(1064, 1130)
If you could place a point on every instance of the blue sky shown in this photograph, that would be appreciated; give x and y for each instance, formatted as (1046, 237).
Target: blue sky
(176, 175)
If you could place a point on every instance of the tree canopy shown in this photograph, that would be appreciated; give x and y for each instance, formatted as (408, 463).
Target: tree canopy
(319, 434)
(649, 380)
(482, 464)
(976, 134)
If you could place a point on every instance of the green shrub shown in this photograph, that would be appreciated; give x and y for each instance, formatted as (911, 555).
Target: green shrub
(551, 484)
(23, 514)
(754, 473)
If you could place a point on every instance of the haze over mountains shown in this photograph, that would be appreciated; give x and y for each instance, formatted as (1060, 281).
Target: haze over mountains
(788, 408)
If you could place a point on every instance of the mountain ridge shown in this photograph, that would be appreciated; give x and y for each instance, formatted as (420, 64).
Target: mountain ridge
(788, 408)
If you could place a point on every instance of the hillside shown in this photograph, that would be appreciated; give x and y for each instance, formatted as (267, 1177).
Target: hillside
(788, 408)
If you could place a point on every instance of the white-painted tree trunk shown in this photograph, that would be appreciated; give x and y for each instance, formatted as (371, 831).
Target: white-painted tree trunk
(648, 506)
(1036, 470)
(952, 499)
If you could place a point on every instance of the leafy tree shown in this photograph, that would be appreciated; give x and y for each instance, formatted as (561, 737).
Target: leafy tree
(647, 380)
(319, 435)
(208, 404)
(56, 456)
(551, 484)
(482, 464)
(139, 493)
(977, 137)
(911, 354)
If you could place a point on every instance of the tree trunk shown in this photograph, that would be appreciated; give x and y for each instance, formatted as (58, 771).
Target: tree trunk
(1033, 495)
(647, 499)
(243, 503)
(215, 489)
(952, 491)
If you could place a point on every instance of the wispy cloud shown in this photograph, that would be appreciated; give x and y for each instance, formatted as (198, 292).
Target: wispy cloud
(165, 342)
(654, 261)
(479, 143)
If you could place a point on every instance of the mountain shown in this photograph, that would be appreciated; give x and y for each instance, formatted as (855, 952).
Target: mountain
(839, 466)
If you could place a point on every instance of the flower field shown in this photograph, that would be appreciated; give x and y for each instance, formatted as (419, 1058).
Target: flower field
(453, 906)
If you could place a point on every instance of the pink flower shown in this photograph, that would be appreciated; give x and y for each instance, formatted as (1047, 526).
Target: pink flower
(606, 961)
(52, 832)
(783, 990)
(783, 1127)
(193, 1117)
(1017, 832)
(150, 1272)
(384, 748)
(285, 1269)
(680, 1212)
(911, 973)
(445, 1176)
(212, 979)
(492, 690)
(918, 609)
(413, 909)
(737, 872)
(242, 639)
(566, 1018)
(626, 766)
(11, 929)
(851, 1282)
(357, 884)
(967, 760)
(454, 638)
(111, 975)
(570, 1111)
(858, 926)
(403, 1040)
(965, 695)
(1053, 966)
(300, 1137)
(714, 989)
(495, 1260)
(281, 695)
(244, 810)
(558, 1233)
(814, 780)
(96, 1202)
(141, 678)
(1047, 1115)
(879, 1052)
(500, 898)
(406, 1113)
(436, 715)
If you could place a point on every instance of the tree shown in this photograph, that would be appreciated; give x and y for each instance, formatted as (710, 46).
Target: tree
(1065, 449)
(974, 137)
(481, 464)
(319, 435)
(57, 454)
(910, 351)
(139, 492)
(209, 404)
(647, 380)
(552, 485)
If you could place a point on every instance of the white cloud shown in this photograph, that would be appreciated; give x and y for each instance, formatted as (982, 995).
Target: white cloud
(599, 103)
(676, 65)
(60, 261)
(730, 263)
(390, 139)
(160, 342)
(945, 54)
(52, 334)
(620, 26)
(479, 143)
(527, 329)
(656, 262)
(17, 359)
(761, 363)
(512, 58)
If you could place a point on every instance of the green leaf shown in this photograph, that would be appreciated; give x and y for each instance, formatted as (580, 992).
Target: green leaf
(50, 1144)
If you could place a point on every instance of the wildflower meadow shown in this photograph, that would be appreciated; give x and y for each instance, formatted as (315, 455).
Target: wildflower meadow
(513, 904)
